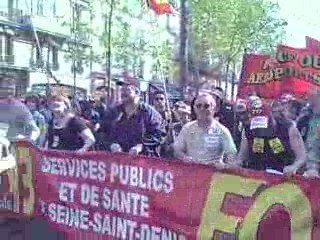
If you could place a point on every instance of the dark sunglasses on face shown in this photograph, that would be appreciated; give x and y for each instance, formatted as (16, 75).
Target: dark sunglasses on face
(205, 106)
(159, 99)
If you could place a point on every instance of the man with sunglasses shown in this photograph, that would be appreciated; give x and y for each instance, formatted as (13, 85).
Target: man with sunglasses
(273, 144)
(205, 140)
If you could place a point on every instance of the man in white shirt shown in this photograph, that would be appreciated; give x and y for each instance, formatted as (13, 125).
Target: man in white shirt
(205, 141)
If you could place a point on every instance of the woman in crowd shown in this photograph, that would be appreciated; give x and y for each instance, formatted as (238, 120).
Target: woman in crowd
(67, 131)
(33, 103)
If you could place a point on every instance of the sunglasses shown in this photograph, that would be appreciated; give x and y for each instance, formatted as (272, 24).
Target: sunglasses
(205, 106)
(159, 99)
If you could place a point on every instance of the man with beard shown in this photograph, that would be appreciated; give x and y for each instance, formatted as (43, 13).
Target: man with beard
(272, 143)
(133, 126)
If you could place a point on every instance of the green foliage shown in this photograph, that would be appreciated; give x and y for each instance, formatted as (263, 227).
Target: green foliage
(135, 34)
(227, 27)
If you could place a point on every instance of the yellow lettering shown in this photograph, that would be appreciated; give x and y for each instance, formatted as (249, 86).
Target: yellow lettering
(14, 187)
(306, 61)
(293, 199)
(276, 145)
(258, 145)
(161, 1)
(252, 78)
(24, 158)
(260, 78)
(284, 57)
(278, 73)
(316, 79)
(316, 62)
(269, 76)
(212, 218)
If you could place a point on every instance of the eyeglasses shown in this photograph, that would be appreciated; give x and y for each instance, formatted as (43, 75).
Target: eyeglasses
(205, 106)
(159, 99)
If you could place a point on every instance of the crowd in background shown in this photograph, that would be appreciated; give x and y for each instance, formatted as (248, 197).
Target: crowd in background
(282, 137)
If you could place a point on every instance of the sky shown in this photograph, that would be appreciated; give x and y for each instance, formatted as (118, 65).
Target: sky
(303, 20)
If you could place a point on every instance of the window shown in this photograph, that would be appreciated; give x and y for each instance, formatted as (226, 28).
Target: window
(55, 57)
(38, 55)
(9, 46)
(49, 8)
(62, 8)
(40, 7)
(0, 48)
(24, 6)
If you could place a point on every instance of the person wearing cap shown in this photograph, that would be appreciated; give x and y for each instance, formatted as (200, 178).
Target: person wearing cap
(224, 112)
(242, 120)
(183, 113)
(133, 126)
(292, 105)
(15, 114)
(272, 143)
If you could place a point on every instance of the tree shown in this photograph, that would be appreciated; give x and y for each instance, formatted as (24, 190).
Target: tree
(224, 28)
(135, 35)
(79, 47)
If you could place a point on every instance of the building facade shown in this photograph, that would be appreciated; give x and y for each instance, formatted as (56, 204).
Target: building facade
(36, 37)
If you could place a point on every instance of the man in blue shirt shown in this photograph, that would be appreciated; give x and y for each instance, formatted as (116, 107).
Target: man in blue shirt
(133, 126)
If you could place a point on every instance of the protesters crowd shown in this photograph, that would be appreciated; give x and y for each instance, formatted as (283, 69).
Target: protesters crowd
(281, 137)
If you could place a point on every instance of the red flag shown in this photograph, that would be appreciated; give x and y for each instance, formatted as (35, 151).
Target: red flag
(161, 7)
(312, 43)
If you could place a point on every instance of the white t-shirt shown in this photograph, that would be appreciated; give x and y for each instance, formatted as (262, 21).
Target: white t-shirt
(205, 146)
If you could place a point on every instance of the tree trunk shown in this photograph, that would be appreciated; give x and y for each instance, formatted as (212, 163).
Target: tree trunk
(226, 77)
(108, 50)
(183, 44)
(233, 81)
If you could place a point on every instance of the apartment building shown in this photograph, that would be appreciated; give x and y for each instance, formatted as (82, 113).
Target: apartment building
(35, 38)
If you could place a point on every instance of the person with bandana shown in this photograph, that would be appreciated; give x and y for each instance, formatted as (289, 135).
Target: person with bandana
(67, 131)
(183, 115)
(272, 144)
